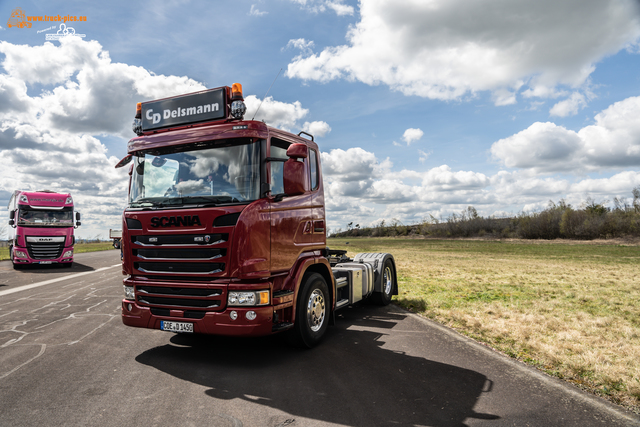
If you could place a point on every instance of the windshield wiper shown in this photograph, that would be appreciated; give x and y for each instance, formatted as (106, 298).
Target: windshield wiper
(210, 201)
(199, 201)
(146, 203)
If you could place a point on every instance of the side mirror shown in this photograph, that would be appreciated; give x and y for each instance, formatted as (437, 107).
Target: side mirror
(124, 161)
(11, 222)
(298, 151)
(12, 214)
(77, 216)
(295, 173)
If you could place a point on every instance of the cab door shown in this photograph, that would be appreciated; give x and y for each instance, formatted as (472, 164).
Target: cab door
(297, 221)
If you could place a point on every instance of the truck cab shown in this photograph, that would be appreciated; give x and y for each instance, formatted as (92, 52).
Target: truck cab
(43, 225)
(224, 232)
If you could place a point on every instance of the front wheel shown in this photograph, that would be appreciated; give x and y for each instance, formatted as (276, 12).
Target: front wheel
(312, 312)
(388, 285)
(15, 266)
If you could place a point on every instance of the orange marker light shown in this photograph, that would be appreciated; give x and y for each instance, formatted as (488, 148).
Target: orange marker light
(236, 91)
(139, 110)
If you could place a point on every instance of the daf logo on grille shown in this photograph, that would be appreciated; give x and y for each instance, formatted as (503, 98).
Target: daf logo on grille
(207, 238)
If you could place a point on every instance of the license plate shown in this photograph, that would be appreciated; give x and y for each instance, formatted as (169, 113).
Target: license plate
(45, 262)
(176, 326)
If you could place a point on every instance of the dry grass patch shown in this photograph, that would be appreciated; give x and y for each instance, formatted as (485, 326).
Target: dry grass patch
(569, 309)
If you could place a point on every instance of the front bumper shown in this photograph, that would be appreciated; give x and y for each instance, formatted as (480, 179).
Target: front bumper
(30, 260)
(213, 323)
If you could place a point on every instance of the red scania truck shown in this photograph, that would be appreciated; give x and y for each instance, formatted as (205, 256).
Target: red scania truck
(225, 232)
(43, 223)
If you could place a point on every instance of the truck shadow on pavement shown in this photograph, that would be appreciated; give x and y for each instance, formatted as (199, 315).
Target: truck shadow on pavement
(352, 378)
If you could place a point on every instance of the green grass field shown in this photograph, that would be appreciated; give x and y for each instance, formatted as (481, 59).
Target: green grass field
(570, 309)
(79, 248)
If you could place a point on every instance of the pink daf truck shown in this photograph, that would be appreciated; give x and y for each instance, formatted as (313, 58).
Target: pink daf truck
(43, 223)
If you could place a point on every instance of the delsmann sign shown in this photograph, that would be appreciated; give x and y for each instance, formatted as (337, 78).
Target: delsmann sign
(202, 106)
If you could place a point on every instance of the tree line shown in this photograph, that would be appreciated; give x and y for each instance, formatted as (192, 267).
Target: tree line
(593, 220)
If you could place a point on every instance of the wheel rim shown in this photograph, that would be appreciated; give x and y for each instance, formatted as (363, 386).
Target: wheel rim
(387, 279)
(315, 310)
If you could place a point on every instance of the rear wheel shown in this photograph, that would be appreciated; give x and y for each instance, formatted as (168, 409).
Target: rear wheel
(312, 312)
(388, 285)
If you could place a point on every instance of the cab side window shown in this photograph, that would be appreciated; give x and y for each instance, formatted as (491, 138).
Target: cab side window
(278, 150)
(313, 169)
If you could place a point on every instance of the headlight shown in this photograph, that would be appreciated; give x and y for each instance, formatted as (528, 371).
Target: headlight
(20, 254)
(69, 200)
(128, 293)
(241, 298)
(67, 254)
(24, 199)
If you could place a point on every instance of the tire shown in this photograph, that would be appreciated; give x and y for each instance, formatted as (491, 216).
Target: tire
(388, 284)
(312, 312)
(15, 266)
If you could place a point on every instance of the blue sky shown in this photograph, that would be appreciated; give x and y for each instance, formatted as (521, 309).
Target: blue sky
(420, 107)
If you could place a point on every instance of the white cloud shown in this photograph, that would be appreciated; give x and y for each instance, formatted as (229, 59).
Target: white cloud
(317, 128)
(412, 135)
(306, 47)
(339, 8)
(570, 106)
(612, 142)
(544, 146)
(255, 12)
(275, 113)
(423, 156)
(319, 6)
(444, 49)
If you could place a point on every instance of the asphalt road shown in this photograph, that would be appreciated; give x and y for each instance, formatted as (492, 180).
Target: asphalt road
(67, 359)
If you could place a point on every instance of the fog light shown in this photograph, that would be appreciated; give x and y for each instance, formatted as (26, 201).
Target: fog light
(129, 307)
(67, 254)
(251, 315)
(238, 109)
(136, 126)
(233, 315)
(20, 254)
(129, 293)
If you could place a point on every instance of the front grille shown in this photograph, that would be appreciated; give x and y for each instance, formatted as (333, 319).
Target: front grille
(45, 250)
(179, 267)
(178, 302)
(180, 254)
(196, 254)
(164, 298)
(171, 291)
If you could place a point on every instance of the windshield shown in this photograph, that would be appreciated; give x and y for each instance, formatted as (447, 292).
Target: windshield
(207, 176)
(45, 218)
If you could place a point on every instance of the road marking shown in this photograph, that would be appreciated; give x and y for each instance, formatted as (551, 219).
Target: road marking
(47, 282)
